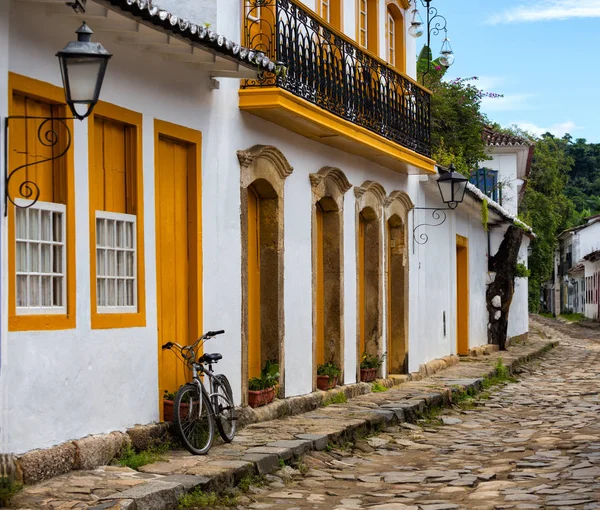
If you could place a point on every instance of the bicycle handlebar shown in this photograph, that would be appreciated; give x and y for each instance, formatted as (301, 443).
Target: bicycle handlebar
(208, 334)
(214, 333)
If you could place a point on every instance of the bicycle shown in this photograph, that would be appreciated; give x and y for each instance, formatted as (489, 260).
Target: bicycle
(195, 409)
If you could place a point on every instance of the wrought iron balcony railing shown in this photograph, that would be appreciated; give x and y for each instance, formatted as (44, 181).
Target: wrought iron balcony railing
(330, 70)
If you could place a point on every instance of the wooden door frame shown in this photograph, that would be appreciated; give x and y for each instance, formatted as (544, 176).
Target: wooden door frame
(193, 139)
(462, 289)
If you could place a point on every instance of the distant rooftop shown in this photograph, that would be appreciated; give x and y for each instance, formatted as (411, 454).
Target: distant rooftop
(497, 139)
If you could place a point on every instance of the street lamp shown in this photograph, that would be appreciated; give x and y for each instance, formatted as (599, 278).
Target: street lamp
(82, 65)
(452, 187)
(416, 30)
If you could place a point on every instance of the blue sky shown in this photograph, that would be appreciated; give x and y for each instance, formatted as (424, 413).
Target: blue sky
(541, 54)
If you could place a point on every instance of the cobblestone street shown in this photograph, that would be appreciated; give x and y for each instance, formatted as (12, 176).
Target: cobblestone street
(530, 444)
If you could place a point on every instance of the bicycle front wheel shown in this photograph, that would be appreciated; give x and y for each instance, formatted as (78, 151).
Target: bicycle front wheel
(224, 408)
(193, 419)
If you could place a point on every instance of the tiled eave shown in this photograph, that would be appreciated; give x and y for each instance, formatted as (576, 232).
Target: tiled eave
(198, 36)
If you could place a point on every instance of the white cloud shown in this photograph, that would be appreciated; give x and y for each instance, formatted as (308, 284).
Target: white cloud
(547, 10)
(558, 129)
(510, 102)
(489, 82)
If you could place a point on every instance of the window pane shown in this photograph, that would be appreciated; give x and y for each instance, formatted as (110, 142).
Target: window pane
(100, 232)
(120, 293)
(57, 230)
(130, 263)
(46, 291)
(21, 290)
(111, 263)
(119, 234)
(57, 290)
(46, 258)
(21, 220)
(129, 235)
(130, 301)
(21, 261)
(46, 226)
(34, 224)
(57, 259)
(101, 262)
(34, 291)
(121, 263)
(110, 233)
(34, 257)
(111, 297)
(101, 291)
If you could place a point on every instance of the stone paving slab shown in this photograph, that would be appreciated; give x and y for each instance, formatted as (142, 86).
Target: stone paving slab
(258, 447)
(533, 443)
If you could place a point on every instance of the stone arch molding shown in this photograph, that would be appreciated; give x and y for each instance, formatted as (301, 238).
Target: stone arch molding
(398, 204)
(330, 182)
(371, 194)
(264, 162)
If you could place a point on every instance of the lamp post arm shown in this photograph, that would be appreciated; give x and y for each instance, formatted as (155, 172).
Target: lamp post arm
(438, 215)
(432, 28)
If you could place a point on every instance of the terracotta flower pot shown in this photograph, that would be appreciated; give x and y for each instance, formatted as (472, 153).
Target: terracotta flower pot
(325, 382)
(260, 398)
(368, 374)
(169, 410)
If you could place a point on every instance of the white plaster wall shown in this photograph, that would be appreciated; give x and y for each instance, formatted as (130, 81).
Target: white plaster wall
(518, 315)
(197, 11)
(589, 241)
(506, 164)
(4, 41)
(92, 381)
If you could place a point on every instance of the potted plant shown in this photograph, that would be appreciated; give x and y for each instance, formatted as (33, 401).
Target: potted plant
(369, 366)
(261, 390)
(168, 401)
(327, 376)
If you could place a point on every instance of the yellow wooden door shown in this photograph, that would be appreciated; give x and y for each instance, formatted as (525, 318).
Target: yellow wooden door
(462, 295)
(172, 249)
(254, 365)
(361, 284)
(320, 290)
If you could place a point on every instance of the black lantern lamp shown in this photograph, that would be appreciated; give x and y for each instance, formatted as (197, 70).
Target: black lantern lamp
(83, 64)
(452, 187)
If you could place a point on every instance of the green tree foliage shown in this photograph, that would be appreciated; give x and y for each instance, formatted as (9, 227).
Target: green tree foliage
(583, 187)
(456, 119)
(546, 208)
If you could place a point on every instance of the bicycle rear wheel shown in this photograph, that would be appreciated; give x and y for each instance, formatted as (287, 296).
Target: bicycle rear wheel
(193, 419)
(224, 408)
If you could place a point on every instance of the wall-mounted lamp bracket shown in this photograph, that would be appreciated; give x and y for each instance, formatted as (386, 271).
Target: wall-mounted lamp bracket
(48, 135)
(438, 215)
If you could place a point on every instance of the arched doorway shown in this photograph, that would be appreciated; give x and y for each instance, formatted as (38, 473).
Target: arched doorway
(328, 188)
(262, 175)
(397, 206)
(369, 204)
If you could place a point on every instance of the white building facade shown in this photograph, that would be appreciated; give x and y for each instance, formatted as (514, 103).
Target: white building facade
(186, 203)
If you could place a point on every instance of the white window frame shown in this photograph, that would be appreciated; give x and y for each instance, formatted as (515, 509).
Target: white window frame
(391, 36)
(364, 29)
(326, 4)
(128, 218)
(51, 207)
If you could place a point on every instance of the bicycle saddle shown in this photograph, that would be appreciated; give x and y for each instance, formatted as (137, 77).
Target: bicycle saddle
(210, 358)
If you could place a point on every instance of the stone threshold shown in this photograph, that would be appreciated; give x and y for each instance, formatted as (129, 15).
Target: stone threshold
(258, 448)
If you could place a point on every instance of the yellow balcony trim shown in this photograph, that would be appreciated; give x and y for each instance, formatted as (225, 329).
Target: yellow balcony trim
(298, 115)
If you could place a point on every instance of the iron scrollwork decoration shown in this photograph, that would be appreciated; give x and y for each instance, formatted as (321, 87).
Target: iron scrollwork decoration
(48, 134)
(328, 69)
(438, 215)
(433, 27)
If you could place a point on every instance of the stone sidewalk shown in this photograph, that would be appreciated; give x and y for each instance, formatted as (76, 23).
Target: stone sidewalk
(259, 447)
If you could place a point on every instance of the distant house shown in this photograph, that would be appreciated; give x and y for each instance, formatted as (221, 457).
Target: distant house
(573, 286)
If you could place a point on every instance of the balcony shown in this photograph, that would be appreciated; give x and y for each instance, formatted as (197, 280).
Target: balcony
(334, 91)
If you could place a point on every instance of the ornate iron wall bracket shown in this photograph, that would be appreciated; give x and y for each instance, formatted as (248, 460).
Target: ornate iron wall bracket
(48, 136)
(438, 214)
(432, 28)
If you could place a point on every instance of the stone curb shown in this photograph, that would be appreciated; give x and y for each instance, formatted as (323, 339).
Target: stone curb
(97, 450)
(163, 494)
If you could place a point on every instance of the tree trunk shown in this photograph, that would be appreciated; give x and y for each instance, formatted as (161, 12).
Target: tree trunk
(504, 264)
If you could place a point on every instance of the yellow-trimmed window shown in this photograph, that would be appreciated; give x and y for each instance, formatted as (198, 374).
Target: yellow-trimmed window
(367, 24)
(363, 23)
(41, 261)
(396, 52)
(116, 218)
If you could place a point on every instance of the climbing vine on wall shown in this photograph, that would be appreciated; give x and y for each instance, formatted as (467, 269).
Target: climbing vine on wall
(485, 214)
